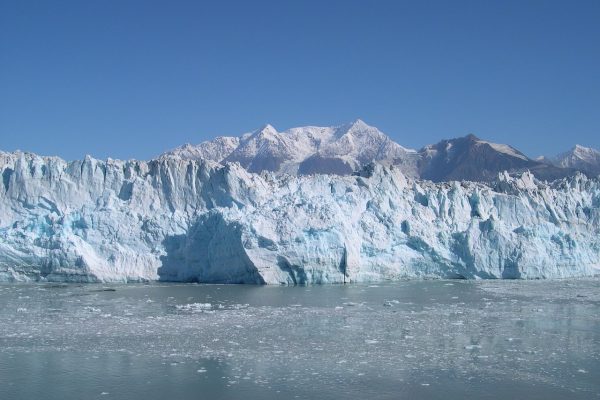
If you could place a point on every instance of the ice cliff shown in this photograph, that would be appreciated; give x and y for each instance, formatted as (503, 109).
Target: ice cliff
(195, 220)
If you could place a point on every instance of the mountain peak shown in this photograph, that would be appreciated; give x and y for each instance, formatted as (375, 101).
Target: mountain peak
(356, 125)
(579, 149)
(359, 123)
(267, 127)
(582, 158)
(265, 130)
(580, 152)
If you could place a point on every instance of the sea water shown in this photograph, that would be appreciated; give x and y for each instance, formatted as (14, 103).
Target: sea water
(405, 340)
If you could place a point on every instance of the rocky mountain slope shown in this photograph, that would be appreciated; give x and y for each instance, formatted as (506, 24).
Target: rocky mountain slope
(473, 159)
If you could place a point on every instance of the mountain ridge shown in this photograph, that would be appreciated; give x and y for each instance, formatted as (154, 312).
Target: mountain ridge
(579, 157)
(343, 149)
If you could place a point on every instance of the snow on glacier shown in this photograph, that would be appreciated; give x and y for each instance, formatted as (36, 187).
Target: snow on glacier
(196, 220)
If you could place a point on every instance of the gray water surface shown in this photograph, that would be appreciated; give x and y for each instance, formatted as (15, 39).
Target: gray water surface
(406, 340)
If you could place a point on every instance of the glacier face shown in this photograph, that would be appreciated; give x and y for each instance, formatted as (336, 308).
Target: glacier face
(178, 219)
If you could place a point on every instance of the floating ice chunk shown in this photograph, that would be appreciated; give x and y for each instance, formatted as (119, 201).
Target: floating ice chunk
(194, 307)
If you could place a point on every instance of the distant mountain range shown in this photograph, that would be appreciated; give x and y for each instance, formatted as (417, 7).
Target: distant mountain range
(342, 150)
(306, 150)
(579, 158)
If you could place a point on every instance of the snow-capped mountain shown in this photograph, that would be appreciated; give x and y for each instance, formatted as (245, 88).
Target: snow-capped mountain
(305, 150)
(581, 158)
(197, 220)
(342, 150)
(213, 150)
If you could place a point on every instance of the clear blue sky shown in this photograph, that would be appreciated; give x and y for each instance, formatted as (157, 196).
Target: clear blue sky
(129, 79)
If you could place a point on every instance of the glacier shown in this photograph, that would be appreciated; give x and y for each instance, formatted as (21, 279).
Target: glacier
(181, 219)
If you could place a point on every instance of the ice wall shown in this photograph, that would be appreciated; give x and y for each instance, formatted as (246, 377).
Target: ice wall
(194, 220)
